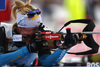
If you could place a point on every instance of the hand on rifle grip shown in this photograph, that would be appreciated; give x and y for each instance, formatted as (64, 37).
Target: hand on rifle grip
(33, 46)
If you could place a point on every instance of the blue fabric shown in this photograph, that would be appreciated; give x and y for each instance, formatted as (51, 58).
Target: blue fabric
(27, 60)
(53, 58)
(46, 60)
(9, 58)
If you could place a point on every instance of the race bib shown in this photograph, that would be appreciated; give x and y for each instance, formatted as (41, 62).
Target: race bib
(17, 37)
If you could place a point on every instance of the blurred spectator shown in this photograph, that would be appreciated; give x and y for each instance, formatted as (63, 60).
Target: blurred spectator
(46, 10)
(90, 6)
(97, 10)
(46, 7)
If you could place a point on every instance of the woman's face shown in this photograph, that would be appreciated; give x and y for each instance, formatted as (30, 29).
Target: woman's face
(28, 31)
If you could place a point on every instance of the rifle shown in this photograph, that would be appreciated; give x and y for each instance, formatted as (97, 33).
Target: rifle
(51, 40)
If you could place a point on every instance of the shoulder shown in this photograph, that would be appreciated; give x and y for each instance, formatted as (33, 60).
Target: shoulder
(6, 24)
(8, 29)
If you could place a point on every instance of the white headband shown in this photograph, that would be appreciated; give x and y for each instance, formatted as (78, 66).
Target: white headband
(24, 21)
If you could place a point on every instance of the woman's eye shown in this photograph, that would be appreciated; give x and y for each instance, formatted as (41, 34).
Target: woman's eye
(33, 29)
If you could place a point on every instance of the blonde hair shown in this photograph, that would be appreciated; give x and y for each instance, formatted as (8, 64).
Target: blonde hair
(22, 8)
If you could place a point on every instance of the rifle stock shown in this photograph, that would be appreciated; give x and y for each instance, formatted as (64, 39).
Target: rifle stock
(48, 41)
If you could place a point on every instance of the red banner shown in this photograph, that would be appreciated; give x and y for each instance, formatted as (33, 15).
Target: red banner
(5, 15)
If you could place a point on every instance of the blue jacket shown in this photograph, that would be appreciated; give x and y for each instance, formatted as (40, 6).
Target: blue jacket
(23, 56)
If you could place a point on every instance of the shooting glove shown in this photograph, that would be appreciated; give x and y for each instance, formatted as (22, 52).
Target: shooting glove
(33, 45)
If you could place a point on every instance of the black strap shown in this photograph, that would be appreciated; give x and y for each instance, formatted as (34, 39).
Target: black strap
(89, 41)
(2, 39)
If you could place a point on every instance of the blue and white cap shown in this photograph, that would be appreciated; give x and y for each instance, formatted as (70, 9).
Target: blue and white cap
(25, 22)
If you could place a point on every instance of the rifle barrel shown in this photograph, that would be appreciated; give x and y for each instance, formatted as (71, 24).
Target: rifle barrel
(89, 32)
